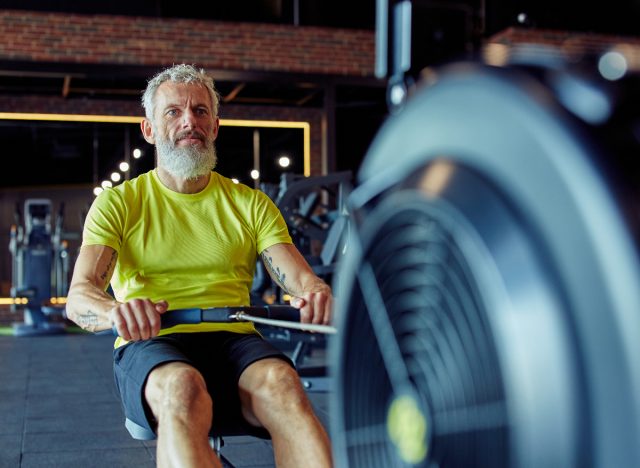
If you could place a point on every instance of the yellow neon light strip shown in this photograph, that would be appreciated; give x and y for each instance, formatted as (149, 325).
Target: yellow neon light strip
(24, 300)
(13, 300)
(70, 117)
(305, 126)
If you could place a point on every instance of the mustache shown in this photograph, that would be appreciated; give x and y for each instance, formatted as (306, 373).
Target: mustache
(190, 134)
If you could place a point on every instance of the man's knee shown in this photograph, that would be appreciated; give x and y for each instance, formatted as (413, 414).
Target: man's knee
(276, 385)
(177, 389)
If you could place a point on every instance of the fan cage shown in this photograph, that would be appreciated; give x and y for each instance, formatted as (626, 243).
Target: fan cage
(440, 326)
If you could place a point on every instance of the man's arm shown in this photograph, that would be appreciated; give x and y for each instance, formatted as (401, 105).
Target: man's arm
(93, 309)
(88, 303)
(292, 273)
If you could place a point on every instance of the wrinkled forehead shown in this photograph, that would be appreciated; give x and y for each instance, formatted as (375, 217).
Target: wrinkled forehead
(182, 94)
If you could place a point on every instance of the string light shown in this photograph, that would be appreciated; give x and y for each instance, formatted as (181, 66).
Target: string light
(117, 176)
(284, 161)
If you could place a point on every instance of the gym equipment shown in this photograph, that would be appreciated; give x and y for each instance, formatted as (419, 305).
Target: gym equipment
(40, 267)
(215, 437)
(314, 209)
(489, 302)
(272, 315)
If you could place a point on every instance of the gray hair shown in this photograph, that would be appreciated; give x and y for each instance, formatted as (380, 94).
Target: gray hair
(181, 73)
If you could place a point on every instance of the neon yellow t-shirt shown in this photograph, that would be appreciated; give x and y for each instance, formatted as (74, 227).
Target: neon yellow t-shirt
(192, 250)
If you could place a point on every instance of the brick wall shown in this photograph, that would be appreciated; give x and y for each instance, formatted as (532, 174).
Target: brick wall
(569, 44)
(27, 36)
(111, 39)
(7, 316)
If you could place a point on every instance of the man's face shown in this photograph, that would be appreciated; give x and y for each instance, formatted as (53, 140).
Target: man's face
(184, 130)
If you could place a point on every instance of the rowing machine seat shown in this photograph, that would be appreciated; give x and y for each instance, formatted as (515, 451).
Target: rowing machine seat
(216, 440)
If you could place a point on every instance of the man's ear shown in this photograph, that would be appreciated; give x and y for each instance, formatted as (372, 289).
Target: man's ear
(216, 127)
(147, 131)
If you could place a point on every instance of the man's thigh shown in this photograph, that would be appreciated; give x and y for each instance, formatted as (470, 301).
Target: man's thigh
(221, 358)
(133, 363)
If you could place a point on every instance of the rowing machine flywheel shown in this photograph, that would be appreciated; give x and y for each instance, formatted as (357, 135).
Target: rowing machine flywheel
(489, 300)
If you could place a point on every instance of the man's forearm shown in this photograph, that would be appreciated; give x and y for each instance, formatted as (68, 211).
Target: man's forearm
(278, 276)
(89, 307)
(302, 281)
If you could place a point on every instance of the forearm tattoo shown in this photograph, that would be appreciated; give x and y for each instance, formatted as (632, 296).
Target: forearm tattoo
(276, 274)
(112, 262)
(88, 320)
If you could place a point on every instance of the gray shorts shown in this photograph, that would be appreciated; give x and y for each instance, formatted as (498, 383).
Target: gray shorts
(221, 357)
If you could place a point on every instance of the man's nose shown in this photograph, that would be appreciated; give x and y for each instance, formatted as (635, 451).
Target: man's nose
(189, 119)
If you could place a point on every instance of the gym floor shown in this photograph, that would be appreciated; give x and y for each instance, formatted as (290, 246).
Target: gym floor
(59, 407)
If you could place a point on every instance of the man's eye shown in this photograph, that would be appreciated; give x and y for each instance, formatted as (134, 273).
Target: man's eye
(172, 112)
(202, 111)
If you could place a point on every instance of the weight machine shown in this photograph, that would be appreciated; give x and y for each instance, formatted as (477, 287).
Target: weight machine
(40, 266)
(314, 209)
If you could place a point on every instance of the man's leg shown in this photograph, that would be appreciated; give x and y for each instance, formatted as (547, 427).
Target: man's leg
(177, 395)
(272, 396)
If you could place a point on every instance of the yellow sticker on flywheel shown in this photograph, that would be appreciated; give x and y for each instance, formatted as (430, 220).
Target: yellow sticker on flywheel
(407, 428)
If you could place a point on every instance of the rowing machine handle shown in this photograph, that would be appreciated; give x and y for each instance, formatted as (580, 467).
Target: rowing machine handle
(175, 317)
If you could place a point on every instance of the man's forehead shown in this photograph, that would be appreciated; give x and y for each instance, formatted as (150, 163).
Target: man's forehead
(170, 91)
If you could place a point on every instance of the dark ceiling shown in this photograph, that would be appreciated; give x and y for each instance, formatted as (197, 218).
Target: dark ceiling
(359, 109)
(614, 16)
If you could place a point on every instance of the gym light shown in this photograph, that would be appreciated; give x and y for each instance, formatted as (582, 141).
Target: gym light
(137, 153)
(124, 166)
(106, 184)
(97, 191)
(13, 300)
(613, 65)
(284, 161)
(234, 180)
(255, 174)
(115, 176)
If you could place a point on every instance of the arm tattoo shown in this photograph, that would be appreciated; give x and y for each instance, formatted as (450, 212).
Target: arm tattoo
(89, 319)
(103, 276)
(274, 270)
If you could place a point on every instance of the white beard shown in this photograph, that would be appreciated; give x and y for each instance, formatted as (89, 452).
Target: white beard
(186, 162)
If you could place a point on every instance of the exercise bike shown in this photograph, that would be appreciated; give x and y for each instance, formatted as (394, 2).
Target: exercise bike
(40, 266)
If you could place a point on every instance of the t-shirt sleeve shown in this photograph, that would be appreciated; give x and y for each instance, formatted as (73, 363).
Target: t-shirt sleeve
(104, 222)
(271, 227)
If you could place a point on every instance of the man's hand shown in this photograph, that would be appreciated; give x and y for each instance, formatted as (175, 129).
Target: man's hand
(315, 307)
(138, 319)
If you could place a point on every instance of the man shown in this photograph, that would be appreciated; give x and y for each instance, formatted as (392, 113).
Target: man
(183, 236)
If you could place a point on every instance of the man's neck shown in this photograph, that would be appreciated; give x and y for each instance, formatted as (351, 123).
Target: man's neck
(180, 185)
